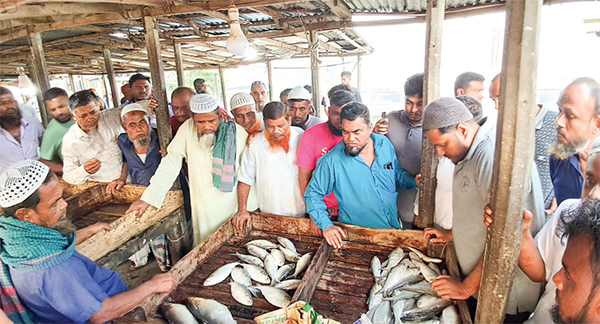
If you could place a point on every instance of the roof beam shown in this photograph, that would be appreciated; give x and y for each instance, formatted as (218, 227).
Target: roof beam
(57, 9)
(339, 9)
(353, 42)
(11, 5)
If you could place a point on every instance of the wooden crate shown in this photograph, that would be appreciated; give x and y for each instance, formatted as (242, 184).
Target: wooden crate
(336, 283)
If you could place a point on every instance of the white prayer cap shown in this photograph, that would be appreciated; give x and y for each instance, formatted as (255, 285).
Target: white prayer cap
(241, 99)
(20, 180)
(299, 93)
(203, 103)
(132, 107)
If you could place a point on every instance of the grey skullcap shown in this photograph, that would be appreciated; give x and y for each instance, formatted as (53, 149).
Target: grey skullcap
(595, 146)
(443, 112)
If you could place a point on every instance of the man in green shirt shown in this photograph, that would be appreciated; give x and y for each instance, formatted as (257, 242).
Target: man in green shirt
(56, 100)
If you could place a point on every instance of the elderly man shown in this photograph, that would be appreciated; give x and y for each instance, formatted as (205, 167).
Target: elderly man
(214, 149)
(403, 128)
(318, 141)
(54, 281)
(258, 90)
(57, 103)
(20, 137)
(268, 164)
(243, 109)
(469, 84)
(470, 146)
(180, 101)
(577, 124)
(90, 150)
(363, 173)
(346, 79)
(300, 103)
(200, 86)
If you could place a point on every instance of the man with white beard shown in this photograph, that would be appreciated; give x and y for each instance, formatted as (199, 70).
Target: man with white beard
(213, 150)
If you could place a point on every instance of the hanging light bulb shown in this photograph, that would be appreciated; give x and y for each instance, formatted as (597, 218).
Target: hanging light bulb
(24, 80)
(237, 43)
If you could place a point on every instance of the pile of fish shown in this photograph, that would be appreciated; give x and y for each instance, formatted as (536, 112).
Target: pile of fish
(402, 292)
(205, 310)
(266, 266)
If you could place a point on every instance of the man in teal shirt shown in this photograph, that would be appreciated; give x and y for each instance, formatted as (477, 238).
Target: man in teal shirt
(56, 100)
(364, 174)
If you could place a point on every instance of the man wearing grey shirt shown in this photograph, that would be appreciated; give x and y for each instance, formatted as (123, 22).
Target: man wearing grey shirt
(470, 146)
(403, 129)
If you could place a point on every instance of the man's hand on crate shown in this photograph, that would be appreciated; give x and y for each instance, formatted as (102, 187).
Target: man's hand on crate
(333, 235)
(438, 235)
(140, 206)
(241, 219)
(448, 288)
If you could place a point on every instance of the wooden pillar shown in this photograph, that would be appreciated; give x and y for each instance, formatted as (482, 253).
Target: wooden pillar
(110, 70)
(39, 72)
(359, 73)
(270, 77)
(513, 158)
(313, 41)
(72, 83)
(431, 90)
(159, 88)
(223, 88)
(179, 64)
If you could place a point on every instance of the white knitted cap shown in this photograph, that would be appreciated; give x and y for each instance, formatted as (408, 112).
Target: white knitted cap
(241, 99)
(299, 93)
(203, 103)
(132, 107)
(20, 180)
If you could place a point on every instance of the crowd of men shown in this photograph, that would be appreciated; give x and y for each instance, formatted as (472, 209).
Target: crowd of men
(279, 158)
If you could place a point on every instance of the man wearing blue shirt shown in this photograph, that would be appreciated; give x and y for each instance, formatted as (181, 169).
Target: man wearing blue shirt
(363, 173)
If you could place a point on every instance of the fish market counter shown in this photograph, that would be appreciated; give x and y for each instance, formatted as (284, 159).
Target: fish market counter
(337, 283)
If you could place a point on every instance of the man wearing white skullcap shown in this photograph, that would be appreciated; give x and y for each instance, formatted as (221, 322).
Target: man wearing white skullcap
(300, 103)
(55, 283)
(243, 109)
(213, 150)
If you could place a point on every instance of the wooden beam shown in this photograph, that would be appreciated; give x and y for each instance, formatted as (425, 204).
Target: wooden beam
(179, 64)
(20, 3)
(513, 158)
(110, 70)
(314, 71)
(338, 8)
(353, 42)
(40, 73)
(431, 90)
(359, 73)
(159, 87)
(57, 9)
(223, 88)
(270, 78)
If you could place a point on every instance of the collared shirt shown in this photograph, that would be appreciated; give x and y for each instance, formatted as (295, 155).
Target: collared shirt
(273, 172)
(407, 140)
(567, 178)
(140, 171)
(310, 122)
(69, 292)
(53, 137)
(545, 134)
(13, 151)
(366, 195)
(80, 147)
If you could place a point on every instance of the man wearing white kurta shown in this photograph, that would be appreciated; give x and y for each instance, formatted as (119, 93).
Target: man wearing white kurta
(268, 164)
(213, 201)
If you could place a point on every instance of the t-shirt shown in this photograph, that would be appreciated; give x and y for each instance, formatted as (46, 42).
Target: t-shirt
(310, 122)
(316, 142)
(52, 142)
(70, 292)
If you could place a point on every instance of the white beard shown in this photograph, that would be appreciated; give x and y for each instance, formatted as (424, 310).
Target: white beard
(206, 141)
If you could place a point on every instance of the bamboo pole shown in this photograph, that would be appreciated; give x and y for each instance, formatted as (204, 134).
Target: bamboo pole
(179, 64)
(223, 88)
(270, 77)
(110, 70)
(39, 73)
(314, 70)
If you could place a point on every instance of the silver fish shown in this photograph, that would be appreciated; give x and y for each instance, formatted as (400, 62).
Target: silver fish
(376, 266)
(375, 289)
(414, 257)
(290, 255)
(418, 315)
(286, 243)
(263, 244)
(433, 320)
(435, 268)
(450, 315)
(284, 272)
(428, 273)
(178, 314)
(394, 258)
(288, 284)
(257, 273)
(271, 266)
(210, 311)
(422, 287)
(250, 259)
(275, 296)
(257, 251)
(425, 257)
(302, 264)
(220, 274)
(278, 256)
(383, 313)
(400, 307)
(375, 300)
(400, 294)
(241, 294)
(427, 301)
(400, 276)
(241, 276)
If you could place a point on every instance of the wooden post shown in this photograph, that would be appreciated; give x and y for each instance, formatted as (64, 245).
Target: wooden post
(223, 88)
(39, 72)
(431, 90)
(110, 70)
(513, 158)
(270, 77)
(159, 88)
(313, 41)
(72, 83)
(359, 73)
(179, 64)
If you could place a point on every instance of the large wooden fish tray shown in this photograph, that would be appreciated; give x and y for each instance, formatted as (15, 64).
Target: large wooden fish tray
(336, 283)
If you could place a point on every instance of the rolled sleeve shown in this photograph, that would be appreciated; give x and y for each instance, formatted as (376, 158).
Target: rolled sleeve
(320, 185)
